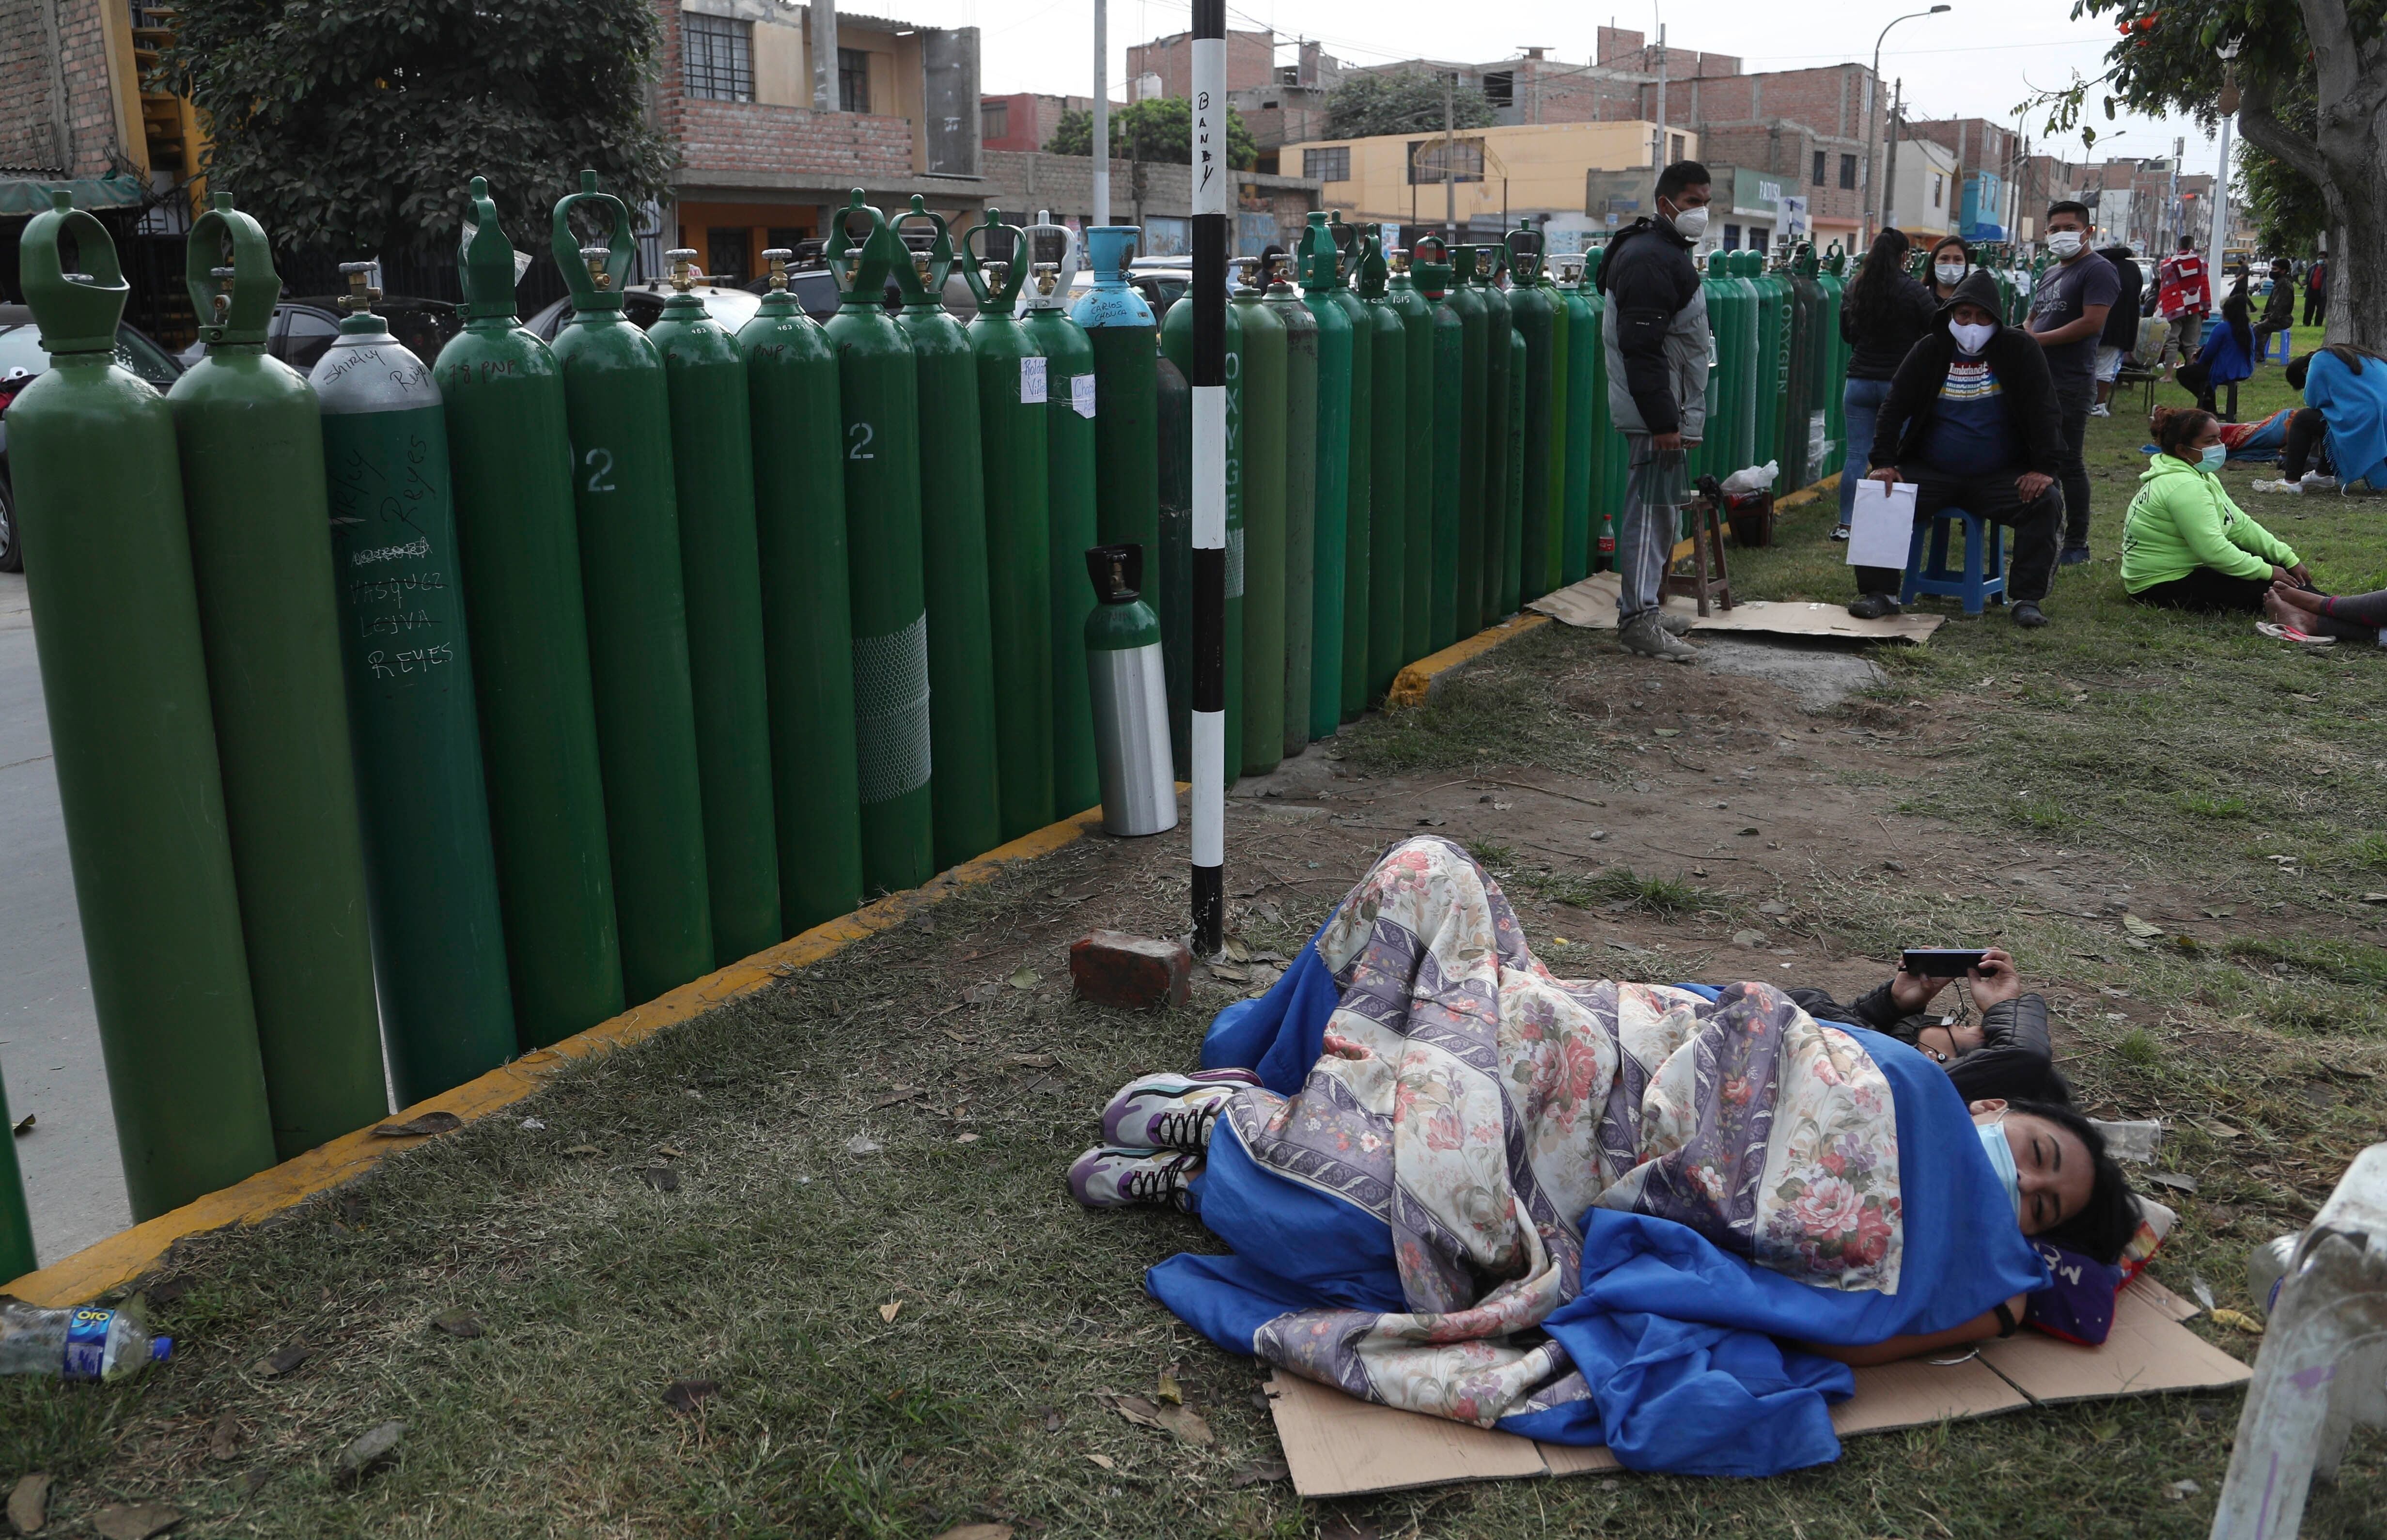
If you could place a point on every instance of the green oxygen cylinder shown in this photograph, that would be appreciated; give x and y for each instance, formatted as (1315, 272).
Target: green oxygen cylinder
(1766, 443)
(1743, 358)
(1834, 362)
(1126, 454)
(964, 797)
(1264, 420)
(253, 490)
(439, 947)
(17, 1255)
(1716, 291)
(1511, 548)
(1388, 512)
(1534, 308)
(1319, 279)
(1474, 414)
(124, 683)
(1582, 450)
(619, 409)
(1176, 567)
(1805, 303)
(1301, 438)
(1608, 497)
(878, 390)
(1417, 467)
(1014, 390)
(807, 616)
(1357, 502)
(1491, 265)
(1431, 270)
(1069, 481)
(721, 568)
(1173, 411)
(519, 544)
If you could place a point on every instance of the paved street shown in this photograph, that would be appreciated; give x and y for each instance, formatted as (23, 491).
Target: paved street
(49, 1042)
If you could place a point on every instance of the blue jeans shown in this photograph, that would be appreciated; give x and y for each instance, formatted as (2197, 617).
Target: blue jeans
(1860, 404)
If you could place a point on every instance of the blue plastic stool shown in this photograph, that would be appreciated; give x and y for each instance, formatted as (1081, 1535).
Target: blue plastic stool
(1983, 576)
(2263, 353)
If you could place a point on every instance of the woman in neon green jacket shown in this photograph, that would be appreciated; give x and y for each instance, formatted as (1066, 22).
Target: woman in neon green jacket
(2185, 544)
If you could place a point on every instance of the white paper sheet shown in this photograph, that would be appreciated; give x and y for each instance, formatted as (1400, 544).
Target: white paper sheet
(1881, 524)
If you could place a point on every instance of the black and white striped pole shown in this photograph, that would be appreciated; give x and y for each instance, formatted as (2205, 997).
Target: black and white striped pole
(1210, 383)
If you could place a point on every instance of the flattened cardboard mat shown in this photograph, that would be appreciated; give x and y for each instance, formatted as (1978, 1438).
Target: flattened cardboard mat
(1592, 605)
(1336, 1446)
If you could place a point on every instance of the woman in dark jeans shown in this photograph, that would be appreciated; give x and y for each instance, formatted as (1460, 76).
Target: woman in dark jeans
(1883, 314)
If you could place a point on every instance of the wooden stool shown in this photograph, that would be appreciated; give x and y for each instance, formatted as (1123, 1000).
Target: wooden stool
(1709, 578)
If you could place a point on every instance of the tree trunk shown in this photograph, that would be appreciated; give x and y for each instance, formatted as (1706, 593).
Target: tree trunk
(2356, 187)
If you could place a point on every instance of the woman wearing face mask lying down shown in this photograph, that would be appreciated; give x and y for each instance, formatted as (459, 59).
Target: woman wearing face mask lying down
(1597, 1212)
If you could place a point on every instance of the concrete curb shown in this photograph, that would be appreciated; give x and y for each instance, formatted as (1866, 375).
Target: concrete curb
(1415, 684)
(121, 1258)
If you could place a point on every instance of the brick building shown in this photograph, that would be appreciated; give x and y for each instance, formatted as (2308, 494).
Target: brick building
(1291, 105)
(763, 158)
(2138, 203)
(1251, 61)
(70, 75)
(1989, 161)
(1025, 119)
(1157, 194)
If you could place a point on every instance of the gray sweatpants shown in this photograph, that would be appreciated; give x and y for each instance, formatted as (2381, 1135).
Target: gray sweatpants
(1646, 530)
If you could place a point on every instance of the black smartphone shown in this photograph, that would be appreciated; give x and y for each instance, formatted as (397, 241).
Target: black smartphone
(1942, 961)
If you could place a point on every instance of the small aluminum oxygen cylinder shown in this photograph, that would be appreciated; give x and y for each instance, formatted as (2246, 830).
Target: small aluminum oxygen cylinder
(2267, 1269)
(1130, 697)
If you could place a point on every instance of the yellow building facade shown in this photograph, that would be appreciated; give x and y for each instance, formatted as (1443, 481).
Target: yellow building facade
(1497, 174)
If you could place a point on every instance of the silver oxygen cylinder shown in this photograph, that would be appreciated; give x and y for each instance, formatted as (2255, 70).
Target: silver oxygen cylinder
(1130, 697)
(2268, 1267)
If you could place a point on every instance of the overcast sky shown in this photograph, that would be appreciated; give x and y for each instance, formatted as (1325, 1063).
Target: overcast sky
(1978, 60)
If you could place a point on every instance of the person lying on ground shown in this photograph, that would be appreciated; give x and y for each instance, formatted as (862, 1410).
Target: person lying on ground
(2185, 544)
(2348, 617)
(2261, 441)
(1970, 418)
(2006, 1055)
(2345, 388)
(1586, 1211)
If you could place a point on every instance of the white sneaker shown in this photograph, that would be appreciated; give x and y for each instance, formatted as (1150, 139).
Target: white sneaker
(2292, 489)
(2315, 482)
(2100, 410)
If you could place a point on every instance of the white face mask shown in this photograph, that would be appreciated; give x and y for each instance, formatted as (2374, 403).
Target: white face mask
(1949, 273)
(2065, 244)
(1995, 1145)
(1972, 339)
(1690, 224)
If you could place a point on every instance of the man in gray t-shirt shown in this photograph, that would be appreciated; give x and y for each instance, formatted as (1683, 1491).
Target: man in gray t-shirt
(2067, 313)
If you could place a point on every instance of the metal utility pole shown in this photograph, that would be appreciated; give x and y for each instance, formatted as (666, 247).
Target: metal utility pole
(1210, 383)
(2171, 200)
(1450, 188)
(1873, 114)
(1102, 146)
(826, 95)
(2221, 196)
(1658, 145)
(1889, 166)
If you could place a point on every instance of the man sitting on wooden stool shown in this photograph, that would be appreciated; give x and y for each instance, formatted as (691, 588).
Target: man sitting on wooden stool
(1971, 421)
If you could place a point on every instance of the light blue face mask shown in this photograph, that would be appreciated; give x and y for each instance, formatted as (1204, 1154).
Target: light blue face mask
(2001, 1160)
(2213, 457)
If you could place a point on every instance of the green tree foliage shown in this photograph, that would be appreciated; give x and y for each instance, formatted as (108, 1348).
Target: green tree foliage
(353, 125)
(1406, 101)
(1160, 129)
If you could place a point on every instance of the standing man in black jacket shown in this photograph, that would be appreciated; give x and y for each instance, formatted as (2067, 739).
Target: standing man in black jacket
(2121, 335)
(1971, 420)
(1655, 330)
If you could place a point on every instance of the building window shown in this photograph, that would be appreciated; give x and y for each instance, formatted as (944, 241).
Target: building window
(1819, 169)
(1848, 171)
(995, 117)
(725, 254)
(1938, 189)
(1426, 159)
(1500, 87)
(1328, 165)
(853, 79)
(720, 57)
(1731, 240)
(1673, 149)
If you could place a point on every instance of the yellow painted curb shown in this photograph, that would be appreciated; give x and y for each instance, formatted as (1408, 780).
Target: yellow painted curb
(127, 1254)
(1806, 495)
(1415, 684)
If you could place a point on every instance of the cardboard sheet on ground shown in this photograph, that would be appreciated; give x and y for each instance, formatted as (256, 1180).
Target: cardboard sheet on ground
(1592, 605)
(1336, 1446)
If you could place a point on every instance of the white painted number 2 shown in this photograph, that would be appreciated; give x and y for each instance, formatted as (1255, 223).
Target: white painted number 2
(602, 461)
(861, 434)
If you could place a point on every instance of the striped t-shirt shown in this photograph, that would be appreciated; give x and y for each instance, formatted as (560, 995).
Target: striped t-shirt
(1972, 431)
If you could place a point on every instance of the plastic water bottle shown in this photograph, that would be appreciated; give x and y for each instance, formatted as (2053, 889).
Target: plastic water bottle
(2131, 1140)
(2267, 1269)
(89, 1341)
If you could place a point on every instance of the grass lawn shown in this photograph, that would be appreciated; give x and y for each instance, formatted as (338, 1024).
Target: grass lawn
(832, 1216)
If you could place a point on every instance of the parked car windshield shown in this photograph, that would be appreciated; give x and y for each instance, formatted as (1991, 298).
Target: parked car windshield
(20, 347)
